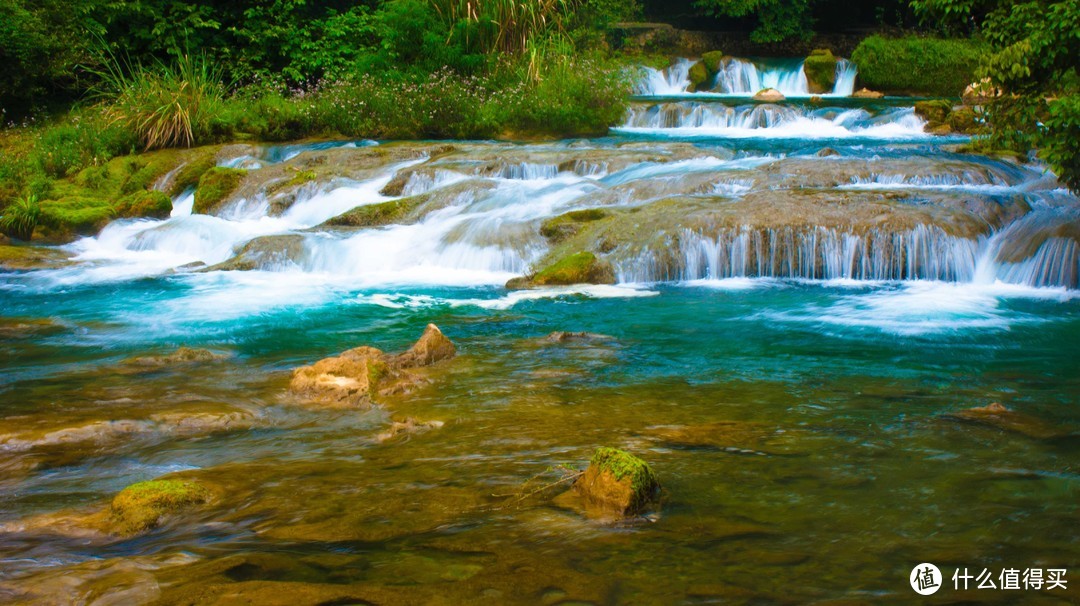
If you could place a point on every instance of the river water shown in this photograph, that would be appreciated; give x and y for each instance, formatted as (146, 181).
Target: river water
(807, 296)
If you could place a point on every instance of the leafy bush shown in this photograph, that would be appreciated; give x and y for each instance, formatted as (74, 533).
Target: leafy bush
(929, 66)
(20, 219)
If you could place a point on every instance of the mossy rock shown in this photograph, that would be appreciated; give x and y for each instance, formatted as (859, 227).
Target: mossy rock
(712, 61)
(152, 204)
(579, 268)
(377, 215)
(699, 76)
(190, 174)
(820, 70)
(78, 214)
(143, 506)
(935, 112)
(568, 225)
(214, 187)
(617, 483)
(963, 120)
(21, 258)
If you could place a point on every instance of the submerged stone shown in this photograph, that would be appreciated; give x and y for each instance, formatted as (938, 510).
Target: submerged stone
(406, 428)
(28, 328)
(567, 337)
(998, 416)
(617, 484)
(143, 506)
(351, 379)
(181, 357)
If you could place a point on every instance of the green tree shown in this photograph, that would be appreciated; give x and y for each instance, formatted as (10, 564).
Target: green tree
(1036, 54)
(776, 20)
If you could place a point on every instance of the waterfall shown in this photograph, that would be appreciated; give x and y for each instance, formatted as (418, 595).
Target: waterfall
(743, 78)
(815, 253)
(770, 121)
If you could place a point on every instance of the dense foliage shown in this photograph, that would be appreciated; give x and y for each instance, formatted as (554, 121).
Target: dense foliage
(1034, 63)
(919, 65)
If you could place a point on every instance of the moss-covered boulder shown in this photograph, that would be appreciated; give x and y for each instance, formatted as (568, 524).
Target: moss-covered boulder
(190, 173)
(144, 506)
(578, 268)
(820, 70)
(76, 214)
(935, 111)
(376, 215)
(568, 225)
(151, 204)
(713, 60)
(964, 120)
(699, 77)
(617, 484)
(215, 186)
(22, 258)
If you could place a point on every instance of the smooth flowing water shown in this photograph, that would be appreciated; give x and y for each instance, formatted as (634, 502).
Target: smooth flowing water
(807, 296)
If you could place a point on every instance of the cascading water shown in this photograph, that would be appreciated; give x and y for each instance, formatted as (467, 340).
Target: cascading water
(743, 78)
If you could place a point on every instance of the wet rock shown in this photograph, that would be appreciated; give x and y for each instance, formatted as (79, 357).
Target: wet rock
(27, 258)
(827, 152)
(144, 506)
(153, 204)
(820, 70)
(865, 93)
(963, 120)
(736, 437)
(183, 356)
(351, 379)
(264, 252)
(408, 427)
(699, 77)
(568, 337)
(617, 484)
(28, 328)
(578, 268)
(215, 187)
(1000, 417)
(769, 95)
(568, 225)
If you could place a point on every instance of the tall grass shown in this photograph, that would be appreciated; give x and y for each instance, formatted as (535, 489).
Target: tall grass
(21, 217)
(507, 26)
(176, 104)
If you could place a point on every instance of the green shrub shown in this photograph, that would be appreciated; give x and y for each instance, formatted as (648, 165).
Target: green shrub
(915, 65)
(174, 104)
(20, 219)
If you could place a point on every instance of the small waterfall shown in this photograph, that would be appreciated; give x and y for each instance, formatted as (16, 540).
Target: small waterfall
(743, 78)
(715, 119)
(671, 81)
(814, 253)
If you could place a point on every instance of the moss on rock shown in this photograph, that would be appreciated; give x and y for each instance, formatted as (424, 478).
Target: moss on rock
(191, 173)
(17, 258)
(154, 204)
(567, 225)
(376, 215)
(214, 187)
(820, 70)
(78, 214)
(617, 484)
(935, 112)
(699, 76)
(712, 61)
(579, 268)
(143, 506)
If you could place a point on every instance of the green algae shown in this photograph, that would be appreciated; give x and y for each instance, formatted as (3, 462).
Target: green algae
(622, 464)
(142, 506)
(712, 60)
(578, 268)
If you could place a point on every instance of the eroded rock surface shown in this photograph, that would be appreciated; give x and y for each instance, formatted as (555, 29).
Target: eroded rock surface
(354, 377)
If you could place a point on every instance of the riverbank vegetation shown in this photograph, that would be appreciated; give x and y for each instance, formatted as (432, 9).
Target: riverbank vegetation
(83, 83)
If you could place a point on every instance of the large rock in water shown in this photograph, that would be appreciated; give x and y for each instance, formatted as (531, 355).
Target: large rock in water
(143, 506)
(617, 484)
(770, 95)
(820, 70)
(350, 380)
